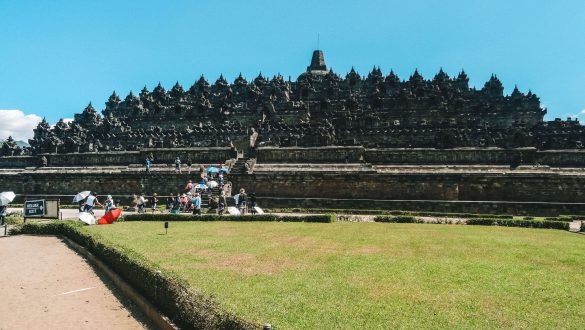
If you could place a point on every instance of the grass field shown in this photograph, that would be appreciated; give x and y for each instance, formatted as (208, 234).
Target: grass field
(373, 275)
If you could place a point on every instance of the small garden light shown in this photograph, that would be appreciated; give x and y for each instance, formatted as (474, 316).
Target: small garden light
(166, 227)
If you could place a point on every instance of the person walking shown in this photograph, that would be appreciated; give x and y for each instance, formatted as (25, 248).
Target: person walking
(253, 203)
(221, 203)
(242, 201)
(197, 204)
(147, 165)
(153, 202)
(90, 202)
(170, 202)
(189, 164)
(176, 204)
(140, 204)
(3, 215)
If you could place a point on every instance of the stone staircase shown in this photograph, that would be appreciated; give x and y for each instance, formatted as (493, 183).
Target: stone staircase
(240, 166)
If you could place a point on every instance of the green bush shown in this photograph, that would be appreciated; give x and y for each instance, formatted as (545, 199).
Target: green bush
(520, 223)
(387, 212)
(185, 307)
(574, 217)
(324, 218)
(398, 219)
(566, 219)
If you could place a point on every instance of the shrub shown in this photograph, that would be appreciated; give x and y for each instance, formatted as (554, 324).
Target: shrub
(558, 219)
(583, 226)
(324, 218)
(528, 218)
(520, 223)
(575, 217)
(388, 212)
(186, 308)
(398, 219)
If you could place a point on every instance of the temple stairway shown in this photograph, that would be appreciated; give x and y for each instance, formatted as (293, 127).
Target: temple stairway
(239, 167)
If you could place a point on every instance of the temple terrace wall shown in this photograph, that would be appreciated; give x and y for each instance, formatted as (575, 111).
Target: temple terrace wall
(120, 158)
(509, 192)
(487, 156)
(318, 155)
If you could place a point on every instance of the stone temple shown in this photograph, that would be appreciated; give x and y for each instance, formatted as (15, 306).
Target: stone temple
(376, 138)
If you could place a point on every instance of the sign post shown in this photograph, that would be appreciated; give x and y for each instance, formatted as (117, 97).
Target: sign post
(34, 209)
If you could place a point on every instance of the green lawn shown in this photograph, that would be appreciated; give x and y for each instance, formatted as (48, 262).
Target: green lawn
(374, 275)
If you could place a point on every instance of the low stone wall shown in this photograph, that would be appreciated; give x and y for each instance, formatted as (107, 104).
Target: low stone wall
(120, 158)
(310, 155)
(490, 156)
(401, 156)
(565, 158)
(18, 161)
(94, 159)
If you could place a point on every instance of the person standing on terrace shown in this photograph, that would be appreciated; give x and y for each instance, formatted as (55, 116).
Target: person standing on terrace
(178, 165)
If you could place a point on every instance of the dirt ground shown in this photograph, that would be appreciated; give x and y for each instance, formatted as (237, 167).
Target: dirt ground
(46, 285)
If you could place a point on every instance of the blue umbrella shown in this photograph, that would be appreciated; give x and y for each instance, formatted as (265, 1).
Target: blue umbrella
(213, 170)
(223, 169)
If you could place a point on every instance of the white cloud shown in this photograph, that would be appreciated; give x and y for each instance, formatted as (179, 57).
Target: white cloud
(18, 125)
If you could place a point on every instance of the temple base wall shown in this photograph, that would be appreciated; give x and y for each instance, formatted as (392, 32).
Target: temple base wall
(522, 193)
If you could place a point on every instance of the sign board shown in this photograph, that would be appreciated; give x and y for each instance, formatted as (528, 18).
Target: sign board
(34, 208)
(52, 209)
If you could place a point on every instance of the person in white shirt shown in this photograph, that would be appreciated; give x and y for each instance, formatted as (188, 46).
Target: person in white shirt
(90, 202)
(141, 202)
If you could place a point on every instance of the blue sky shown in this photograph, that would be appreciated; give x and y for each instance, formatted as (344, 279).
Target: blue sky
(56, 56)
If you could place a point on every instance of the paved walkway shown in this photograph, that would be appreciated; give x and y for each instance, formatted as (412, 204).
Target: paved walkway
(45, 285)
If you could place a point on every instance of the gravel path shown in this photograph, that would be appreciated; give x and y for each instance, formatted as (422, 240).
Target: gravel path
(45, 285)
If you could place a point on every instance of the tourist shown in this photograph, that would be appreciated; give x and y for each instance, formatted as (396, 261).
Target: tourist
(178, 165)
(176, 204)
(220, 179)
(189, 186)
(140, 204)
(242, 200)
(189, 164)
(170, 202)
(197, 204)
(183, 202)
(189, 205)
(221, 203)
(3, 215)
(253, 203)
(90, 202)
(153, 202)
(147, 165)
(109, 204)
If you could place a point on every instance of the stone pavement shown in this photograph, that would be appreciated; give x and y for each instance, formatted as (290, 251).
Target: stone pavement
(45, 285)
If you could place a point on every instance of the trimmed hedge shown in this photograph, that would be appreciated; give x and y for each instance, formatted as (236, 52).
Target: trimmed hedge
(398, 219)
(566, 219)
(323, 218)
(520, 223)
(389, 212)
(187, 308)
